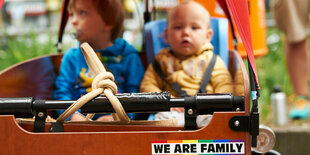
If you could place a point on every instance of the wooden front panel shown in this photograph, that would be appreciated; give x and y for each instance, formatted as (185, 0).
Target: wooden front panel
(15, 140)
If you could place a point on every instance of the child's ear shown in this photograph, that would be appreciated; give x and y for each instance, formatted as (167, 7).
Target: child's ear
(166, 36)
(209, 35)
(108, 27)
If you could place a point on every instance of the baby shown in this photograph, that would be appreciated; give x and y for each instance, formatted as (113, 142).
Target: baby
(189, 35)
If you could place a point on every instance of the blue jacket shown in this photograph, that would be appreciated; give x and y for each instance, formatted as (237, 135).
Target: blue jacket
(121, 59)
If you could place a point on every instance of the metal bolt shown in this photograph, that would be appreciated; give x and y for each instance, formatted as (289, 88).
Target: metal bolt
(237, 123)
(190, 111)
(40, 114)
(237, 109)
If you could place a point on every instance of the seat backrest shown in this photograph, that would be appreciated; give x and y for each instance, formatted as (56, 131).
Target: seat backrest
(154, 36)
(31, 78)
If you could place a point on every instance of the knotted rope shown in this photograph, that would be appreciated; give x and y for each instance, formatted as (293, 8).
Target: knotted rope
(103, 83)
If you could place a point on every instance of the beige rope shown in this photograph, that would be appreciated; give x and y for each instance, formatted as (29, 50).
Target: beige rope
(102, 84)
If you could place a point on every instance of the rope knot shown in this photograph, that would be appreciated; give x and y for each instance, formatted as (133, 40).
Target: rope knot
(104, 80)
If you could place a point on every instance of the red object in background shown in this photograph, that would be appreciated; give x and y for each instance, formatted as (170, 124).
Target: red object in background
(1, 2)
(238, 12)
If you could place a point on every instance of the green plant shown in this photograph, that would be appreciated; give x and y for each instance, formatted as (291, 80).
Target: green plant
(20, 48)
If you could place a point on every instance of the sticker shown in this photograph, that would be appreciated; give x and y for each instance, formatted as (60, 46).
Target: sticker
(254, 95)
(198, 147)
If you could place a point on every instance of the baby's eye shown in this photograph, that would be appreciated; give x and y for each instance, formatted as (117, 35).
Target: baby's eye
(195, 27)
(177, 27)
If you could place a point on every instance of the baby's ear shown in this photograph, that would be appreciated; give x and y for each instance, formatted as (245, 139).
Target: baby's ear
(166, 36)
(209, 34)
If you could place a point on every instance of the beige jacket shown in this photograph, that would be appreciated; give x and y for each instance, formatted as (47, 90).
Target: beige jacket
(187, 73)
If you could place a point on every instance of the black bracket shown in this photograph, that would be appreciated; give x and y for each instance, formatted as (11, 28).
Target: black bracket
(190, 113)
(254, 127)
(40, 117)
(240, 123)
(247, 124)
(57, 127)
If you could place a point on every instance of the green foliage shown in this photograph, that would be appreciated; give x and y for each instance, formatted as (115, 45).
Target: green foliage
(20, 48)
(272, 70)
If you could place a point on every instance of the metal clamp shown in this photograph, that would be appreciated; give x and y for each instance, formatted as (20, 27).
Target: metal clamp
(40, 116)
(190, 113)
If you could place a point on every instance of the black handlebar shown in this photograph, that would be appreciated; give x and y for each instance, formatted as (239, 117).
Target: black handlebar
(132, 102)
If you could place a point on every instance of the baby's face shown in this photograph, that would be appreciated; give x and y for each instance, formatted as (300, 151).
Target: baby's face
(188, 30)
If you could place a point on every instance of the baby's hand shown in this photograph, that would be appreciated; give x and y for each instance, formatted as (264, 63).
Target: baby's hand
(78, 117)
(105, 118)
(177, 109)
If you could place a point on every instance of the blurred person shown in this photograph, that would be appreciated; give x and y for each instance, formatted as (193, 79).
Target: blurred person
(292, 18)
(98, 23)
